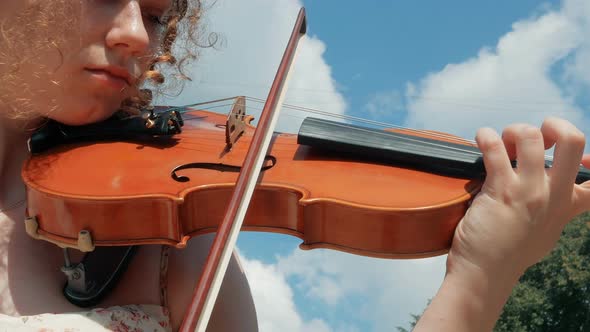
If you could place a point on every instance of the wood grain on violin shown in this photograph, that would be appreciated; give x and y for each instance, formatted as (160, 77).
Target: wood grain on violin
(127, 193)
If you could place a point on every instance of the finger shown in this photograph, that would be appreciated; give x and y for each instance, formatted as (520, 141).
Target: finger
(586, 160)
(569, 145)
(509, 144)
(508, 137)
(495, 158)
(530, 152)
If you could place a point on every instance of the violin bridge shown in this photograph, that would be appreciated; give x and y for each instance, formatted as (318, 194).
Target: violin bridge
(235, 124)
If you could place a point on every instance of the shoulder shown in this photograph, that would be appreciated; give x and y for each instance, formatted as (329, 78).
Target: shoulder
(234, 309)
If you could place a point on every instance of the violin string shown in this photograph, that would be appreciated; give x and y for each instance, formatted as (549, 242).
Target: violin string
(383, 124)
(332, 115)
(410, 139)
(297, 108)
(415, 140)
(433, 134)
(404, 138)
(347, 117)
(450, 138)
(428, 134)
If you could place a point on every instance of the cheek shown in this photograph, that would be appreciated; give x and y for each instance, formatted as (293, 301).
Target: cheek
(11, 7)
(76, 100)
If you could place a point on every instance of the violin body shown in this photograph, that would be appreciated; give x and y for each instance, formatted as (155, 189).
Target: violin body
(127, 193)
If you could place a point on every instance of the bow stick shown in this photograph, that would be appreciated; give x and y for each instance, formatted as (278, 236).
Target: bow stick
(205, 294)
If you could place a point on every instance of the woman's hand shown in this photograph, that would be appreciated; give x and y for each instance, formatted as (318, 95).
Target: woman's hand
(511, 224)
(520, 212)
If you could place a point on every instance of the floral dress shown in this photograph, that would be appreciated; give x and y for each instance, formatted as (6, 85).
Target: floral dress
(128, 318)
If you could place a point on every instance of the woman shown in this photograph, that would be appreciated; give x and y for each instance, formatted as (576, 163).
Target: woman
(81, 71)
(77, 62)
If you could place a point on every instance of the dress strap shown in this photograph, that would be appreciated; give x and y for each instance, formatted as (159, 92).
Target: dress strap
(164, 255)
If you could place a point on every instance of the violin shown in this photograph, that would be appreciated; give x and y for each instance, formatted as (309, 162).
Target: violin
(370, 192)
(378, 193)
(166, 191)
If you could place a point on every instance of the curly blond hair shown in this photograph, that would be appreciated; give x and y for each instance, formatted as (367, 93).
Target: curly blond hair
(184, 16)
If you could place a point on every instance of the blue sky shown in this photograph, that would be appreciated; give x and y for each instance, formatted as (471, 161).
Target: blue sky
(453, 66)
(378, 46)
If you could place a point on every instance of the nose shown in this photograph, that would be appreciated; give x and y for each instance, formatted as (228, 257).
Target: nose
(128, 33)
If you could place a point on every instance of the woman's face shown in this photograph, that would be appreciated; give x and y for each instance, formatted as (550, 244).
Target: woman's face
(76, 61)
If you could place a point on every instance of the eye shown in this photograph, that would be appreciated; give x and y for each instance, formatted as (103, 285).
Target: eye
(159, 20)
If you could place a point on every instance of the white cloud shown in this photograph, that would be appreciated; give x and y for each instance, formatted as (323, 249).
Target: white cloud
(274, 300)
(383, 104)
(253, 36)
(511, 82)
(390, 290)
(578, 70)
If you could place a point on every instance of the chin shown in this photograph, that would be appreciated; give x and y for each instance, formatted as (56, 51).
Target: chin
(83, 116)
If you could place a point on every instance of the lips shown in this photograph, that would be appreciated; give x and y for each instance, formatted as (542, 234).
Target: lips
(111, 73)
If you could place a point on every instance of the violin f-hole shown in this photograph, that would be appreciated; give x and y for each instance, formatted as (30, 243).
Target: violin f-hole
(269, 162)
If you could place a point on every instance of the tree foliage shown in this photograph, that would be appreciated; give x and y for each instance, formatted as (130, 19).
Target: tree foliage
(553, 295)
(412, 324)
